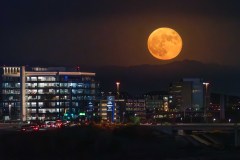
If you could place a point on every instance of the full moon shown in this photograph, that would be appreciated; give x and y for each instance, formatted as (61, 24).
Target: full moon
(164, 43)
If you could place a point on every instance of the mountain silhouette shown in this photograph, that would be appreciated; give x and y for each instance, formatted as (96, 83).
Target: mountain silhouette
(143, 78)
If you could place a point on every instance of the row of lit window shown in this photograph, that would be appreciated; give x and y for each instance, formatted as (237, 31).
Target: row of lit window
(57, 110)
(58, 85)
(56, 104)
(11, 85)
(54, 98)
(11, 91)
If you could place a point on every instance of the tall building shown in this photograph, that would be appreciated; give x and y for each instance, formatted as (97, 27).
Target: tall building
(46, 93)
(187, 93)
(181, 93)
(197, 93)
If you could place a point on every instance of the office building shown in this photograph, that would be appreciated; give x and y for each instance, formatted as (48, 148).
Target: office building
(111, 108)
(46, 93)
(158, 104)
(225, 108)
(187, 94)
(135, 107)
(108, 109)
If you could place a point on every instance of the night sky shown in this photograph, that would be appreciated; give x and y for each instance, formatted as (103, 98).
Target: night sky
(115, 32)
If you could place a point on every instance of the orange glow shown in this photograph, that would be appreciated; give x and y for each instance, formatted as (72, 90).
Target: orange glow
(164, 43)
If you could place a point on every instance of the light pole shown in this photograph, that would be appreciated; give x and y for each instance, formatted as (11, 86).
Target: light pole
(10, 110)
(205, 107)
(118, 83)
(118, 93)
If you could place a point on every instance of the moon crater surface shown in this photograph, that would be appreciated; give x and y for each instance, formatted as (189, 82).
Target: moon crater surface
(164, 43)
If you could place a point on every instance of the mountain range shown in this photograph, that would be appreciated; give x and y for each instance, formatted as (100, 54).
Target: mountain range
(144, 78)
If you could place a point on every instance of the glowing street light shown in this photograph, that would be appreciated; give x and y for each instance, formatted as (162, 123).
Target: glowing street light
(118, 93)
(117, 83)
(10, 110)
(205, 107)
(214, 119)
(206, 84)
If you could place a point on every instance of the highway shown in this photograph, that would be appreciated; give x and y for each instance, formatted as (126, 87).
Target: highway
(173, 128)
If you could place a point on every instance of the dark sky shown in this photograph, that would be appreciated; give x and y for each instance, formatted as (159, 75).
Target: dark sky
(115, 32)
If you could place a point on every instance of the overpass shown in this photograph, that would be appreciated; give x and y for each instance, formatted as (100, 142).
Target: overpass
(235, 127)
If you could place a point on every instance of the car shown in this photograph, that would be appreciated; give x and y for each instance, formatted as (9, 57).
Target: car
(59, 123)
(41, 124)
(50, 125)
(30, 128)
(65, 124)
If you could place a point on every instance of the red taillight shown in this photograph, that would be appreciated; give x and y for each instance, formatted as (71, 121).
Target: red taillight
(35, 128)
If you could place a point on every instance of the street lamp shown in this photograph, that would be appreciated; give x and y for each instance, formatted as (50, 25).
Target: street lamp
(205, 107)
(214, 119)
(10, 110)
(118, 83)
(229, 120)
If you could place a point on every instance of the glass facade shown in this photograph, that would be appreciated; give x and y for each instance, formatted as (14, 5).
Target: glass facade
(49, 96)
(10, 98)
(197, 93)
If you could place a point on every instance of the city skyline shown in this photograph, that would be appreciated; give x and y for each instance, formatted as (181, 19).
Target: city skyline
(48, 93)
(140, 79)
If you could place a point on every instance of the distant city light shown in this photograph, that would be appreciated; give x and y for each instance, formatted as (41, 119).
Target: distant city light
(82, 114)
(214, 119)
